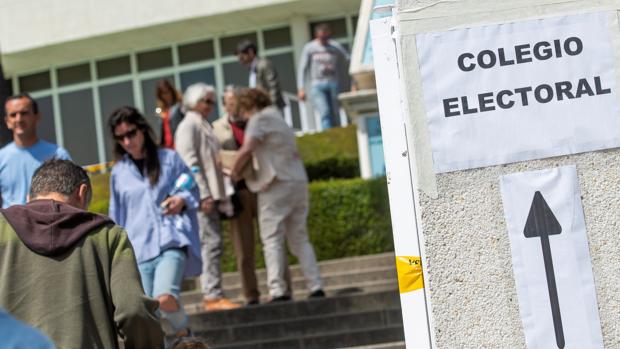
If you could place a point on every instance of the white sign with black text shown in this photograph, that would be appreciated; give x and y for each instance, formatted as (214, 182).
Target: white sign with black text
(551, 259)
(520, 91)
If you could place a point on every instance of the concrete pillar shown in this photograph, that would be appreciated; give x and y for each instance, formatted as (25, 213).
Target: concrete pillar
(300, 35)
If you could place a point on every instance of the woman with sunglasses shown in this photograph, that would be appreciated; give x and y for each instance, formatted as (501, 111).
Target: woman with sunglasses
(159, 215)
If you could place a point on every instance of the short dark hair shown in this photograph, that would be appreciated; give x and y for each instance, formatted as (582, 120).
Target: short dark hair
(189, 343)
(58, 176)
(33, 103)
(322, 27)
(245, 46)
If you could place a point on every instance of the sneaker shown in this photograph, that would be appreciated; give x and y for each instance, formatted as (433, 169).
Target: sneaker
(181, 336)
(252, 303)
(317, 294)
(280, 299)
(219, 304)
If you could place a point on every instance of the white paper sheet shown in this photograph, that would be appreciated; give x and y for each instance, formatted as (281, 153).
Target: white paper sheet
(500, 127)
(571, 260)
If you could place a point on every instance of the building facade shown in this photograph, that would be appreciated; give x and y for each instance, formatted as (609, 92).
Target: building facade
(80, 60)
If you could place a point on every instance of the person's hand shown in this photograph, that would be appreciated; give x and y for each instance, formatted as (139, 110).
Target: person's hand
(301, 95)
(234, 176)
(173, 205)
(207, 205)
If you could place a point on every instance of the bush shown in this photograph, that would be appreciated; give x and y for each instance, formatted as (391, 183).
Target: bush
(348, 217)
(330, 154)
(333, 167)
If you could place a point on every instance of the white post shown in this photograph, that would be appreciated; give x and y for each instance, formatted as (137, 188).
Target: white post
(362, 147)
(404, 205)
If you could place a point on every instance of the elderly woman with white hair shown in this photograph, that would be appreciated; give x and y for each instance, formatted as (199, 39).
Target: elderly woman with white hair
(199, 148)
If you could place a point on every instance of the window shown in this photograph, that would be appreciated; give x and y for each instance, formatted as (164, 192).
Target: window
(285, 66)
(150, 102)
(338, 27)
(280, 37)
(8, 85)
(196, 52)
(73, 75)
(229, 44)
(236, 74)
(156, 59)
(46, 129)
(35, 82)
(112, 97)
(113, 67)
(78, 125)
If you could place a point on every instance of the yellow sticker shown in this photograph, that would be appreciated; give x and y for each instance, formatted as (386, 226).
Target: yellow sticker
(409, 273)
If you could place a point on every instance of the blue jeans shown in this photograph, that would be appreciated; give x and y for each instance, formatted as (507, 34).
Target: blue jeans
(163, 275)
(324, 97)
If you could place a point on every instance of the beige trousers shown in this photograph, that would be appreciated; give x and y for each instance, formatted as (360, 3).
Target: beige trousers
(282, 213)
(242, 236)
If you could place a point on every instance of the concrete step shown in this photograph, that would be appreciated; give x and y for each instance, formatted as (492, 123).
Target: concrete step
(192, 300)
(362, 308)
(327, 340)
(284, 311)
(330, 280)
(292, 328)
(335, 278)
(393, 345)
(343, 265)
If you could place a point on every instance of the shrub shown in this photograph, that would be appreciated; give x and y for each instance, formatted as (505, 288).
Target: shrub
(330, 154)
(348, 217)
(333, 167)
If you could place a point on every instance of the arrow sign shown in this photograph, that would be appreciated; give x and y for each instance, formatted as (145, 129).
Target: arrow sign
(541, 222)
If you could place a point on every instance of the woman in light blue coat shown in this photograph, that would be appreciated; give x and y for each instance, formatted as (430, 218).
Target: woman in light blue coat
(159, 215)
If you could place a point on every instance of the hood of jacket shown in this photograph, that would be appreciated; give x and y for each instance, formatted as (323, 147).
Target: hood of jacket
(49, 227)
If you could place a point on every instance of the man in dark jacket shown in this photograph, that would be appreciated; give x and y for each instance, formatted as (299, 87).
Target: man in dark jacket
(262, 73)
(71, 273)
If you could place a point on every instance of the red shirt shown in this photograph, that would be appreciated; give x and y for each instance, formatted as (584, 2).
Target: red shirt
(238, 131)
(168, 137)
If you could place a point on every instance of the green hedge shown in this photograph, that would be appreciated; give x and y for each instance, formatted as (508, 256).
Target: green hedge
(330, 154)
(348, 217)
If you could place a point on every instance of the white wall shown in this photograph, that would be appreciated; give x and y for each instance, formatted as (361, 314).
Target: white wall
(36, 34)
(28, 24)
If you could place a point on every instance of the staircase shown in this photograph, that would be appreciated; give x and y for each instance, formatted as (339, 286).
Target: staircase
(361, 311)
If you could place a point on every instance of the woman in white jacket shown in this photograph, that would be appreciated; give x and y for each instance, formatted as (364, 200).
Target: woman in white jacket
(199, 149)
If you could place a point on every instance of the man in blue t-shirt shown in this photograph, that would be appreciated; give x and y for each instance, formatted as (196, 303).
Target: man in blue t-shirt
(20, 158)
(15, 334)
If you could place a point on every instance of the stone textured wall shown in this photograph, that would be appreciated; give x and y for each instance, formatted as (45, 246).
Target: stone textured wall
(469, 265)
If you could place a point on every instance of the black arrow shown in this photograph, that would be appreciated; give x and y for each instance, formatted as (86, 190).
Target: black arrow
(541, 223)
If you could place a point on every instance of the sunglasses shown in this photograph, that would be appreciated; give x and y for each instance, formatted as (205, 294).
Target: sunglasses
(208, 101)
(129, 134)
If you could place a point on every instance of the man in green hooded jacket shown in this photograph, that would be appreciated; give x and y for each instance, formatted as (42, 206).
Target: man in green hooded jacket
(71, 273)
